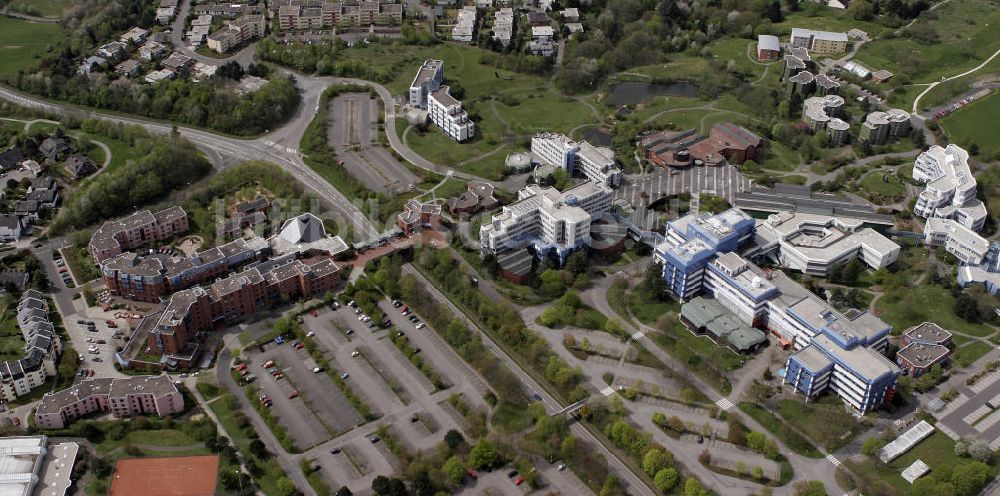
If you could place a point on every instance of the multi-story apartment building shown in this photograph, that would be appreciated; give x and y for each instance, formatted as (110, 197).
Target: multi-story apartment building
(819, 41)
(255, 289)
(549, 221)
(821, 114)
(503, 25)
(123, 398)
(950, 187)
(42, 349)
(595, 163)
(690, 242)
(813, 244)
(835, 351)
(447, 114)
(429, 78)
(880, 126)
(150, 277)
(136, 231)
(962, 242)
(465, 24)
(318, 14)
(237, 32)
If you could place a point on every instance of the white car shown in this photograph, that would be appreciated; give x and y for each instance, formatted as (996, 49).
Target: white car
(310, 334)
(317, 370)
(355, 353)
(420, 325)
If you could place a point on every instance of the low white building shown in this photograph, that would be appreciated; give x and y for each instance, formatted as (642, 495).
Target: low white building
(550, 221)
(447, 114)
(503, 25)
(813, 244)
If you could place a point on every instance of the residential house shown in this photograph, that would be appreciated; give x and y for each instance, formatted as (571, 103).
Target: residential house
(11, 227)
(152, 51)
(129, 68)
(90, 63)
(112, 51)
(179, 63)
(27, 209)
(136, 35)
(768, 47)
(11, 158)
(79, 166)
(55, 148)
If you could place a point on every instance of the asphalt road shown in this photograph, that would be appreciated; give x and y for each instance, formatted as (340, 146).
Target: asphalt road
(352, 131)
(632, 483)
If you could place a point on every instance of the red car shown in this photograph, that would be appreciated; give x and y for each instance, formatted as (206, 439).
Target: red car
(518, 481)
(314, 313)
(17, 420)
(299, 346)
(90, 374)
(472, 474)
(294, 394)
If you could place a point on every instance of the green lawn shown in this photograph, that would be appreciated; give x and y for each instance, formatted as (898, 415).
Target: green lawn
(966, 355)
(910, 306)
(937, 451)
(23, 42)
(966, 32)
(824, 421)
(792, 439)
(882, 187)
(974, 124)
(43, 8)
(11, 340)
(168, 438)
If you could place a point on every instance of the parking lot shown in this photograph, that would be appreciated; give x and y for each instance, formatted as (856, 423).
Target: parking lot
(353, 133)
(724, 181)
(416, 414)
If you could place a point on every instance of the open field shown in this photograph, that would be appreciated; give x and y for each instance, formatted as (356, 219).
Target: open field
(936, 451)
(42, 8)
(926, 302)
(22, 42)
(965, 33)
(974, 123)
(825, 420)
(883, 188)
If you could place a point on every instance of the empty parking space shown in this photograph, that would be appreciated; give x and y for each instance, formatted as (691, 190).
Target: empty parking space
(353, 133)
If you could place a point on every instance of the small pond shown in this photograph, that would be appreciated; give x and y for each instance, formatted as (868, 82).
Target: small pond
(635, 92)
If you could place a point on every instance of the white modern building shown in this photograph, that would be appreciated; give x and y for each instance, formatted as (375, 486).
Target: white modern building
(594, 163)
(429, 78)
(950, 189)
(967, 245)
(550, 221)
(465, 25)
(814, 243)
(447, 114)
(21, 464)
(42, 348)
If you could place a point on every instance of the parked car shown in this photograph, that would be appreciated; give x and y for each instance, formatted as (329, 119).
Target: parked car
(561, 467)
(294, 394)
(420, 325)
(518, 481)
(334, 451)
(345, 375)
(310, 334)
(374, 439)
(355, 353)
(317, 370)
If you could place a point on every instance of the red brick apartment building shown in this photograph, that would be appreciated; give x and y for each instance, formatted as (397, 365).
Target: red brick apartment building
(136, 231)
(240, 295)
(122, 397)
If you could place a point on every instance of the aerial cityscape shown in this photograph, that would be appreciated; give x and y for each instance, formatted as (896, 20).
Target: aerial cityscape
(499, 247)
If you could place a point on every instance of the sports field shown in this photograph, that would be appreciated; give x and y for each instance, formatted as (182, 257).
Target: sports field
(975, 123)
(167, 476)
(23, 42)
(43, 8)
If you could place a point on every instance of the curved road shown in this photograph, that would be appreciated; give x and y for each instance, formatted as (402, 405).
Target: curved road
(916, 101)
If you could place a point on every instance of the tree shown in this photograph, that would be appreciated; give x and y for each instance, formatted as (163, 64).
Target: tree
(611, 487)
(873, 444)
(653, 283)
(654, 461)
(344, 491)
(285, 486)
(484, 454)
(966, 308)
(453, 439)
(578, 262)
(979, 450)
(693, 488)
(454, 469)
(380, 485)
(774, 12)
(258, 449)
(968, 479)
(758, 472)
(666, 479)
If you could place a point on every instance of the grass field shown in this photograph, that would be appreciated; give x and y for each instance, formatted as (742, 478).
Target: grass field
(42, 8)
(22, 42)
(11, 341)
(937, 451)
(824, 421)
(912, 305)
(974, 124)
(970, 352)
(966, 35)
(792, 439)
(882, 188)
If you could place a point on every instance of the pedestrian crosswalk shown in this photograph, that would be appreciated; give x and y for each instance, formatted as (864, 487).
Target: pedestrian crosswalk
(725, 404)
(608, 391)
(638, 335)
(832, 459)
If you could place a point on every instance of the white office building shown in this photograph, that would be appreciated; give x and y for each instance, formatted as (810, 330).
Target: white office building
(503, 25)
(967, 245)
(950, 189)
(813, 243)
(429, 78)
(595, 163)
(550, 221)
(447, 114)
